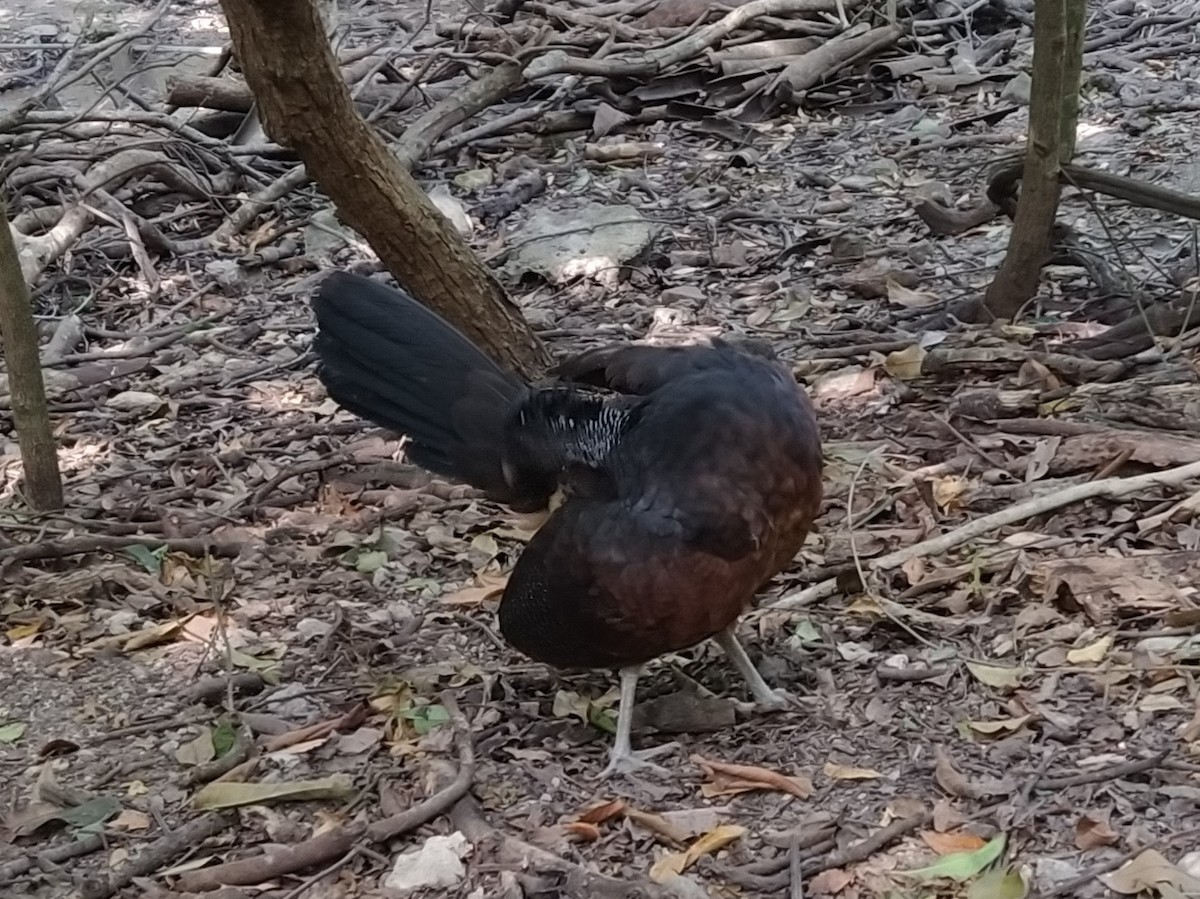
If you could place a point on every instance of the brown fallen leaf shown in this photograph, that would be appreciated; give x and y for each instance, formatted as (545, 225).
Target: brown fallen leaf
(958, 841)
(949, 778)
(1150, 872)
(584, 831)
(831, 882)
(1093, 831)
(598, 814)
(727, 779)
(676, 863)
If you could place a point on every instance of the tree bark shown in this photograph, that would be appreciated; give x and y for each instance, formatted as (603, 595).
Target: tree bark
(305, 105)
(1053, 116)
(27, 390)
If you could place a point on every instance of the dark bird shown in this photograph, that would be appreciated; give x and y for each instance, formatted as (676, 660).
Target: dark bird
(682, 493)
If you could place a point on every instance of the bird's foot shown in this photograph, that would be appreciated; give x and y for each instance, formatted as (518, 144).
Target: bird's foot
(630, 761)
(768, 701)
(776, 701)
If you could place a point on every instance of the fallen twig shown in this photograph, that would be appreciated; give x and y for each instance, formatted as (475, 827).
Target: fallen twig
(333, 847)
(651, 62)
(318, 850)
(444, 799)
(1110, 488)
(157, 855)
(58, 549)
(1103, 775)
(51, 857)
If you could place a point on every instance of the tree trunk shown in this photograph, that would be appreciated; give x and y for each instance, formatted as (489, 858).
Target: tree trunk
(27, 390)
(1053, 116)
(305, 105)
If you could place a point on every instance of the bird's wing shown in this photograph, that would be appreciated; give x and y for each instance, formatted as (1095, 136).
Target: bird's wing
(641, 369)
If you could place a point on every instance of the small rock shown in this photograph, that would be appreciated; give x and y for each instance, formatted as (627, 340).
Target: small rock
(438, 863)
(135, 401)
(226, 272)
(452, 209)
(473, 179)
(1018, 89)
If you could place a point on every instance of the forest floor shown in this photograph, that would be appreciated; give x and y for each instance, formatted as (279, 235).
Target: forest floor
(1017, 705)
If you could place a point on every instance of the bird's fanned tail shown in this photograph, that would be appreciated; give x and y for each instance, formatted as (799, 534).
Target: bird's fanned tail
(389, 359)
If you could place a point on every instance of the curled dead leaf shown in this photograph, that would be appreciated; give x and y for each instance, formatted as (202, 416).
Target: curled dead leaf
(727, 779)
(584, 831)
(958, 841)
(1093, 832)
(598, 814)
(835, 771)
(949, 778)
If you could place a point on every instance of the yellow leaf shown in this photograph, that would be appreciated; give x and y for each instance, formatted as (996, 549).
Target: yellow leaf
(21, 631)
(136, 788)
(676, 863)
(1091, 654)
(152, 635)
(487, 587)
(847, 772)
(905, 364)
(231, 794)
(948, 491)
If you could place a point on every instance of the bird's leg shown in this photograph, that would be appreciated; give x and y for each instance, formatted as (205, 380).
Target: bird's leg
(764, 696)
(624, 758)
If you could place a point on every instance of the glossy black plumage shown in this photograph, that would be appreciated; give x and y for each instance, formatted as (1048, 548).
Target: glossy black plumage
(685, 491)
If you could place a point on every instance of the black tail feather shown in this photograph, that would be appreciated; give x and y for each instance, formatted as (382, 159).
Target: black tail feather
(388, 359)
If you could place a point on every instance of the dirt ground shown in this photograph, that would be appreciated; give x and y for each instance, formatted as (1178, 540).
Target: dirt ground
(1023, 694)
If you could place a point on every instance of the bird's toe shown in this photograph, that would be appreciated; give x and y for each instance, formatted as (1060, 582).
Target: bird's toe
(777, 701)
(634, 761)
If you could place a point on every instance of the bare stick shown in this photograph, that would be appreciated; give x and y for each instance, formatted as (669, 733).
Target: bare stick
(157, 855)
(653, 61)
(1111, 488)
(319, 850)
(57, 549)
(1109, 773)
(444, 799)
